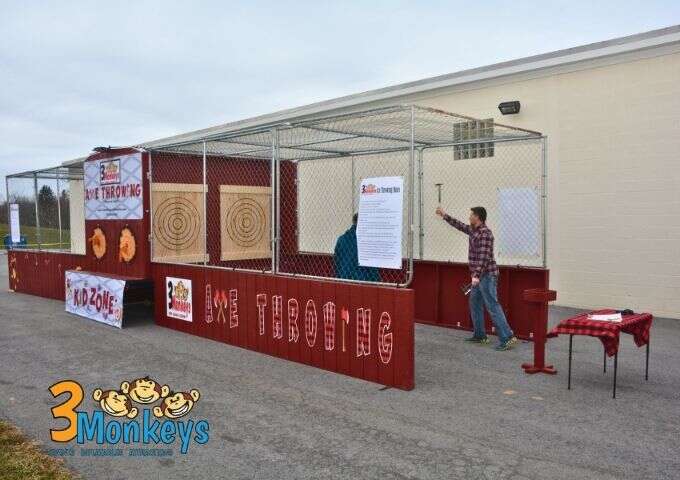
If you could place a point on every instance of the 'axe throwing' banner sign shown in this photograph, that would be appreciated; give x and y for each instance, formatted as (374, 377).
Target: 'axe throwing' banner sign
(113, 188)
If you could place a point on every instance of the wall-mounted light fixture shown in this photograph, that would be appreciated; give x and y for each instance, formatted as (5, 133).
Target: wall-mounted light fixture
(509, 108)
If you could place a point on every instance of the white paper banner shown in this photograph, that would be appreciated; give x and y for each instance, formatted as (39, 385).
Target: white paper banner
(95, 297)
(379, 230)
(113, 188)
(520, 222)
(14, 222)
(178, 298)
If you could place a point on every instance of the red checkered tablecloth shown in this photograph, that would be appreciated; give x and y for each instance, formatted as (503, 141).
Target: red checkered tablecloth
(637, 324)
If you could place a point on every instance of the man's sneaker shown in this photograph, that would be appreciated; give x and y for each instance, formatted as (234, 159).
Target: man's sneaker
(480, 340)
(506, 345)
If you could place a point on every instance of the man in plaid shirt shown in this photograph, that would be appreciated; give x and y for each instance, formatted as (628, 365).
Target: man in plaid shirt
(484, 278)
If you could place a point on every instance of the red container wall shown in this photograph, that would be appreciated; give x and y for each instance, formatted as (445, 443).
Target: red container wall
(42, 273)
(439, 300)
(436, 287)
(316, 335)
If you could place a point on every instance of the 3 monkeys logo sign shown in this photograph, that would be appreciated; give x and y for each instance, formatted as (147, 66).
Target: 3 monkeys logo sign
(136, 420)
(369, 189)
(109, 172)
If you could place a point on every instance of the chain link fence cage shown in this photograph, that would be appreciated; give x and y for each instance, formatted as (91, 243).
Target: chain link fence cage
(278, 198)
(50, 209)
(508, 184)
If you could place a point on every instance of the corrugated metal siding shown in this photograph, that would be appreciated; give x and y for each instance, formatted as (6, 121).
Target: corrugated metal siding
(439, 301)
(398, 303)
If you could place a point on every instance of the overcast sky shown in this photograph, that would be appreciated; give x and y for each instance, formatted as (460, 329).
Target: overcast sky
(75, 75)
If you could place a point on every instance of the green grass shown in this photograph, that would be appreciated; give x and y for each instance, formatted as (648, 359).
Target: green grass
(21, 459)
(48, 236)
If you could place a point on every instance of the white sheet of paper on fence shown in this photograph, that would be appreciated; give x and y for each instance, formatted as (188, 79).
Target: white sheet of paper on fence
(95, 297)
(379, 230)
(519, 232)
(14, 222)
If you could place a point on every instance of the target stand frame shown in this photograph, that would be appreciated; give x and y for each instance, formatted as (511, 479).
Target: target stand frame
(176, 207)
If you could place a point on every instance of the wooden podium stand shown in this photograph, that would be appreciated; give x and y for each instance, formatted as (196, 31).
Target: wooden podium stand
(538, 299)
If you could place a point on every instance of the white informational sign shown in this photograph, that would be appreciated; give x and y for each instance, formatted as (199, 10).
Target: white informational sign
(178, 298)
(520, 222)
(379, 230)
(113, 188)
(95, 297)
(14, 222)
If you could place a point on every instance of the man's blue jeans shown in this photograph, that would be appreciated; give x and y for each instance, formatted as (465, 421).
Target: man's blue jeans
(482, 295)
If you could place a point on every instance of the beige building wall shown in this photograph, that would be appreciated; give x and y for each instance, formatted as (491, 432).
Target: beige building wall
(613, 190)
(613, 177)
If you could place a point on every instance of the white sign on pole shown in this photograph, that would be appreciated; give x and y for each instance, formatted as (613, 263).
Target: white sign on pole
(95, 297)
(113, 188)
(14, 227)
(379, 230)
(178, 302)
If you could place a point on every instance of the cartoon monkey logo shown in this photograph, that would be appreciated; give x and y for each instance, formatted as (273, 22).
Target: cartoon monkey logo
(177, 405)
(145, 390)
(115, 403)
(181, 292)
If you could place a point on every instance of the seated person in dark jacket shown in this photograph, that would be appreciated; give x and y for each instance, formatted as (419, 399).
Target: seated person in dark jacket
(347, 258)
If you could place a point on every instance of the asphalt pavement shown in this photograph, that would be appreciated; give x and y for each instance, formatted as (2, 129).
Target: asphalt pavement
(474, 414)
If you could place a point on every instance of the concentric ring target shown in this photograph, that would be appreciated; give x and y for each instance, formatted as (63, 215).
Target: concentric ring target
(176, 223)
(245, 222)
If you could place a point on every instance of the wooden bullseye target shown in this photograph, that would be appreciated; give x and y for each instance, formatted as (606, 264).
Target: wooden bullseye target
(177, 222)
(245, 222)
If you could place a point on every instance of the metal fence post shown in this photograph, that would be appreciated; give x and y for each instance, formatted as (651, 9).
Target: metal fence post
(274, 199)
(277, 159)
(544, 206)
(9, 210)
(205, 209)
(59, 206)
(37, 215)
(411, 184)
(149, 177)
(354, 207)
(421, 205)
